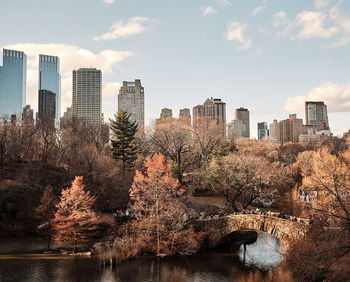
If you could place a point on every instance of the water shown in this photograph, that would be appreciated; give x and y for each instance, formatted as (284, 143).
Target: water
(199, 268)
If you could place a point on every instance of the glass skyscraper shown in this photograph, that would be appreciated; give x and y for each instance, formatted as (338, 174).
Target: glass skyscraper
(13, 80)
(50, 79)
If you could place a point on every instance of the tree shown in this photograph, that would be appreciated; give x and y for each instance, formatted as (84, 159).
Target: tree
(45, 213)
(75, 222)
(174, 140)
(160, 216)
(326, 179)
(240, 178)
(123, 146)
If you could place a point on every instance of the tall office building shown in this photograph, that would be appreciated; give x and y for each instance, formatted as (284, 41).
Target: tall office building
(287, 130)
(47, 107)
(243, 115)
(275, 132)
(185, 116)
(236, 129)
(50, 79)
(28, 115)
(316, 115)
(213, 111)
(13, 80)
(263, 131)
(87, 95)
(131, 98)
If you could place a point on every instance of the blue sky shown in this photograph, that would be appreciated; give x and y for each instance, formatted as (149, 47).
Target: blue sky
(266, 55)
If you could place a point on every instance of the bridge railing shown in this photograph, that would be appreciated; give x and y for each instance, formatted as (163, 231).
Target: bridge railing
(263, 213)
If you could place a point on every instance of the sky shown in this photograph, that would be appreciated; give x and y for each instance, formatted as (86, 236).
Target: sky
(266, 55)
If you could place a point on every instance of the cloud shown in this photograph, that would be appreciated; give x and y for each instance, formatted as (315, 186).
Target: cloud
(206, 11)
(235, 32)
(312, 25)
(71, 57)
(110, 88)
(109, 2)
(332, 26)
(335, 96)
(223, 3)
(131, 27)
(258, 10)
(320, 4)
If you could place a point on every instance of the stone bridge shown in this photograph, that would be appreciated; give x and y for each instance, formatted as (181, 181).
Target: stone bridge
(287, 231)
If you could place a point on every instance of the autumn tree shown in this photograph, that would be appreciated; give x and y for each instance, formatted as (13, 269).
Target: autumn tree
(123, 146)
(45, 213)
(241, 179)
(174, 140)
(160, 216)
(207, 139)
(75, 222)
(326, 179)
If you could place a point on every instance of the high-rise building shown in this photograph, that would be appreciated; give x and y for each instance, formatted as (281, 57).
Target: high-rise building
(47, 107)
(166, 113)
(28, 115)
(287, 130)
(13, 80)
(316, 115)
(50, 79)
(185, 116)
(212, 112)
(236, 129)
(87, 94)
(67, 117)
(131, 98)
(263, 131)
(243, 115)
(275, 132)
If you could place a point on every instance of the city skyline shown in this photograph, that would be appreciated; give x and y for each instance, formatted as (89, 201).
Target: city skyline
(258, 55)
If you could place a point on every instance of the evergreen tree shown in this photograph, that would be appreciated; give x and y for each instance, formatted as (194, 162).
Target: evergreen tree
(123, 145)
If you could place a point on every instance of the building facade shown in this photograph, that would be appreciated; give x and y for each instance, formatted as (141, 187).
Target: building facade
(131, 98)
(275, 132)
(50, 79)
(316, 115)
(13, 81)
(185, 116)
(263, 131)
(28, 115)
(236, 129)
(87, 95)
(212, 112)
(243, 115)
(47, 108)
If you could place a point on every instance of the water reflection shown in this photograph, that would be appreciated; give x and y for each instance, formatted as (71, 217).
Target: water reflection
(206, 267)
(263, 254)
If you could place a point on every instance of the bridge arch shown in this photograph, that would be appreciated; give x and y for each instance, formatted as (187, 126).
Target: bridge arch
(287, 231)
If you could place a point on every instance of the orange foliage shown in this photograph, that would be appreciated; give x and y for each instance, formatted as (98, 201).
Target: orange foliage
(75, 222)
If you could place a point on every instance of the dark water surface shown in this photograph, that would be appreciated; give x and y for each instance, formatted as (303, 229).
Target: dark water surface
(199, 268)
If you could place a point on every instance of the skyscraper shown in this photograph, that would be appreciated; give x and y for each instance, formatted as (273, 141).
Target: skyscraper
(185, 116)
(131, 98)
(316, 115)
(28, 115)
(212, 112)
(13, 80)
(87, 86)
(47, 107)
(236, 129)
(275, 132)
(50, 79)
(263, 130)
(243, 115)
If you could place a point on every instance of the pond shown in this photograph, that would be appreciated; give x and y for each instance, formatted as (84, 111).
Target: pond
(260, 261)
